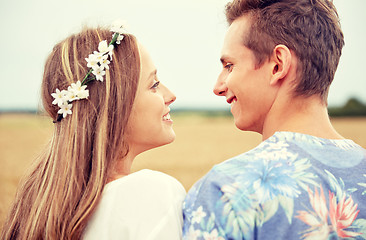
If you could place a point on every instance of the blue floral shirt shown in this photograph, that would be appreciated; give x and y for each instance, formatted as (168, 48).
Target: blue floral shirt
(291, 186)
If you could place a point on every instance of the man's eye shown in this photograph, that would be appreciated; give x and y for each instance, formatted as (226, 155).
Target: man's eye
(156, 85)
(229, 67)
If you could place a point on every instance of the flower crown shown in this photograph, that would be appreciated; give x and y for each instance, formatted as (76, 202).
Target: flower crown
(97, 62)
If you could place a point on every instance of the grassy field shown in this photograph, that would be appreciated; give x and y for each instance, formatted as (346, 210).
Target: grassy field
(201, 143)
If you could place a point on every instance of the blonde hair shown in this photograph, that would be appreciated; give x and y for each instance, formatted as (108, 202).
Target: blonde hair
(56, 199)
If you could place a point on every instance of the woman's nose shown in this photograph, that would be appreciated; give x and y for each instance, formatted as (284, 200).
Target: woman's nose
(169, 97)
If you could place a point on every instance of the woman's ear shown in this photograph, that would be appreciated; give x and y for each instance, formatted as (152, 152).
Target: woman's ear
(281, 59)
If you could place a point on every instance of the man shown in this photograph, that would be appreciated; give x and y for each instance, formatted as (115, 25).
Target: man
(304, 181)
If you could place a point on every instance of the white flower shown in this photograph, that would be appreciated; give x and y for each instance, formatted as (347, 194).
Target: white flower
(65, 109)
(59, 96)
(83, 94)
(71, 96)
(76, 87)
(119, 26)
(119, 38)
(198, 215)
(193, 234)
(92, 61)
(99, 73)
(104, 62)
(77, 91)
(214, 235)
(104, 48)
(98, 58)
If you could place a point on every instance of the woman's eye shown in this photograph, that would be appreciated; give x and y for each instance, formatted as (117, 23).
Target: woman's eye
(229, 67)
(156, 85)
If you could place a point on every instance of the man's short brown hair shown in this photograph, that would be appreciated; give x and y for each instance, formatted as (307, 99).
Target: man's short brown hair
(310, 28)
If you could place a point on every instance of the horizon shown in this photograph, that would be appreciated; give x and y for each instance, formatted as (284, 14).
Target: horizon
(173, 108)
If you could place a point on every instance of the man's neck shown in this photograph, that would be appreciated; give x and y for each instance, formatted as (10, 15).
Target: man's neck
(299, 114)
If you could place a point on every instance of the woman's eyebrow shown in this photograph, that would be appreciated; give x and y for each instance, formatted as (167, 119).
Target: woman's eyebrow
(153, 73)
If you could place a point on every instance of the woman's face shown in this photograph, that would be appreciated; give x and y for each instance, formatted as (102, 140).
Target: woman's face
(150, 125)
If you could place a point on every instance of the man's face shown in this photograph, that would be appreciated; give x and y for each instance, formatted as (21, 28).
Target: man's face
(245, 87)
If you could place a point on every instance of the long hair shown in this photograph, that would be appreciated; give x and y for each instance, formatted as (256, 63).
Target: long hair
(56, 199)
(310, 28)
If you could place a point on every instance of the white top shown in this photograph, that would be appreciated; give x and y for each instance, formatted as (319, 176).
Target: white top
(143, 205)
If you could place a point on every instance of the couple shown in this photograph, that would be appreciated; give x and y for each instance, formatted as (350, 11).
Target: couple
(304, 181)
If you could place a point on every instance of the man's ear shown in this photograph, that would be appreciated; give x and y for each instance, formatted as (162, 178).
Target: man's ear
(281, 59)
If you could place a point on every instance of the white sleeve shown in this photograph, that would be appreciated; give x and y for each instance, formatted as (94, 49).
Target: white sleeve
(169, 226)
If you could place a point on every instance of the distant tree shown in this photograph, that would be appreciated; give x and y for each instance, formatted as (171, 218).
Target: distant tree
(353, 107)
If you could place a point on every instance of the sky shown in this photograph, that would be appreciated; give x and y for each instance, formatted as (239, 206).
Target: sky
(184, 39)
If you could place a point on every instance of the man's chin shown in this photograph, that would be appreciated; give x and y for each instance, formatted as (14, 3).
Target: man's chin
(243, 125)
(240, 124)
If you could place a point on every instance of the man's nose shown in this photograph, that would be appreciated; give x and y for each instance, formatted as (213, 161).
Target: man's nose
(220, 87)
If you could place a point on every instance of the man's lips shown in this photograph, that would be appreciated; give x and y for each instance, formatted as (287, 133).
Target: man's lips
(231, 99)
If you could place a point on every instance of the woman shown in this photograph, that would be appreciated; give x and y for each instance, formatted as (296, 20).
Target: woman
(108, 107)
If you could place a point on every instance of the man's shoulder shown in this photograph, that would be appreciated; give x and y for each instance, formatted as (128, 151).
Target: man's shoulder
(226, 172)
(234, 165)
(241, 166)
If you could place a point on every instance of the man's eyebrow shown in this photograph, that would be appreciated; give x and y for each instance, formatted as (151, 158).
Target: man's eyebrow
(224, 59)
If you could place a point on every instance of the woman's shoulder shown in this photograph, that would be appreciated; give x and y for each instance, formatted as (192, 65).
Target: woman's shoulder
(147, 174)
(146, 179)
(142, 187)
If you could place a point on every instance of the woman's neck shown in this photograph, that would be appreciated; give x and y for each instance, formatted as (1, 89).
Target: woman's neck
(121, 167)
